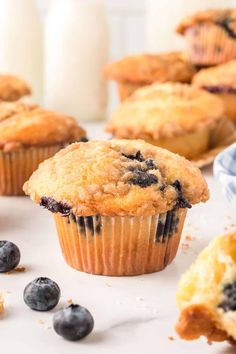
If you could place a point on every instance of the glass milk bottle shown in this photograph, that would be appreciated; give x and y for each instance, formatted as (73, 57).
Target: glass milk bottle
(21, 43)
(76, 52)
(163, 16)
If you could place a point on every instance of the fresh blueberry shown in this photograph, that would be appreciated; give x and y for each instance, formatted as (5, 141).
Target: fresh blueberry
(9, 256)
(73, 322)
(42, 294)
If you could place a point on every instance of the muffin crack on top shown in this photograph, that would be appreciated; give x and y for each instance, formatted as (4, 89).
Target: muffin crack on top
(118, 177)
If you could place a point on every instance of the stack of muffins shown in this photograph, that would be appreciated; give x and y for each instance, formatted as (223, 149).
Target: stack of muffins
(178, 100)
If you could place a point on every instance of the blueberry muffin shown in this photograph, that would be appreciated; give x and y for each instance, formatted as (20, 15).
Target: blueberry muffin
(28, 135)
(210, 36)
(12, 88)
(119, 205)
(135, 71)
(174, 116)
(206, 294)
(220, 80)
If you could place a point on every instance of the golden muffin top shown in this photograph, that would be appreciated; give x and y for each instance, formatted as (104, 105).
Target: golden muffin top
(148, 68)
(206, 293)
(226, 18)
(116, 177)
(165, 110)
(12, 88)
(218, 78)
(30, 125)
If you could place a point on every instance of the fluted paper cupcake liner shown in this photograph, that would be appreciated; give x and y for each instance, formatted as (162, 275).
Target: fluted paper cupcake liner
(209, 45)
(17, 166)
(118, 245)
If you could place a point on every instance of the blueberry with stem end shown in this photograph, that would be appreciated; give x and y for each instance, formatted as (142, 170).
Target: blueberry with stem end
(73, 322)
(9, 256)
(42, 294)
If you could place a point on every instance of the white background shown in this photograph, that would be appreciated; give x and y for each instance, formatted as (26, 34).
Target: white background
(127, 23)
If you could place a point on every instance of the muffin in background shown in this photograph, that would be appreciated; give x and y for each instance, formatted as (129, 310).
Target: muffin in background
(135, 71)
(13, 88)
(206, 293)
(210, 36)
(119, 205)
(174, 116)
(28, 135)
(220, 80)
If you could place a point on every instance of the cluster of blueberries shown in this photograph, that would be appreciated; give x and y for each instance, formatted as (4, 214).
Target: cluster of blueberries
(42, 294)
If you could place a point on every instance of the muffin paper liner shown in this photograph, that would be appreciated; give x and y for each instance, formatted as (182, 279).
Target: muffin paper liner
(17, 166)
(221, 136)
(119, 245)
(209, 45)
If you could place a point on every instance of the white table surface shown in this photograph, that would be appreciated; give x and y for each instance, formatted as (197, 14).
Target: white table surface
(133, 315)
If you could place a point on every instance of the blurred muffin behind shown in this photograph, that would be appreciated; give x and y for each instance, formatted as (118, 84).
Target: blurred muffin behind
(175, 116)
(135, 71)
(13, 88)
(210, 36)
(28, 135)
(221, 81)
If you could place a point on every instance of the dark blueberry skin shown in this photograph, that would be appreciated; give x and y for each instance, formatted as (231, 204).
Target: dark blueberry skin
(9, 256)
(143, 179)
(54, 206)
(42, 294)
(229, 304)
(73, 322)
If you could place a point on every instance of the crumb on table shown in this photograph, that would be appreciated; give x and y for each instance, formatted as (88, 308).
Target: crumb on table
(171, 338)
(20, 269)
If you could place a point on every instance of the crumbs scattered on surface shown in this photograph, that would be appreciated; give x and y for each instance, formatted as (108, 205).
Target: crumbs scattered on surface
(184, 246)
(190, 238)
(17, 270)
(228, 227)
(171, 338)
(9, 292)
(41, 322)
(69, 302)
(20, 269)
(107, 284)
(139, 299)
